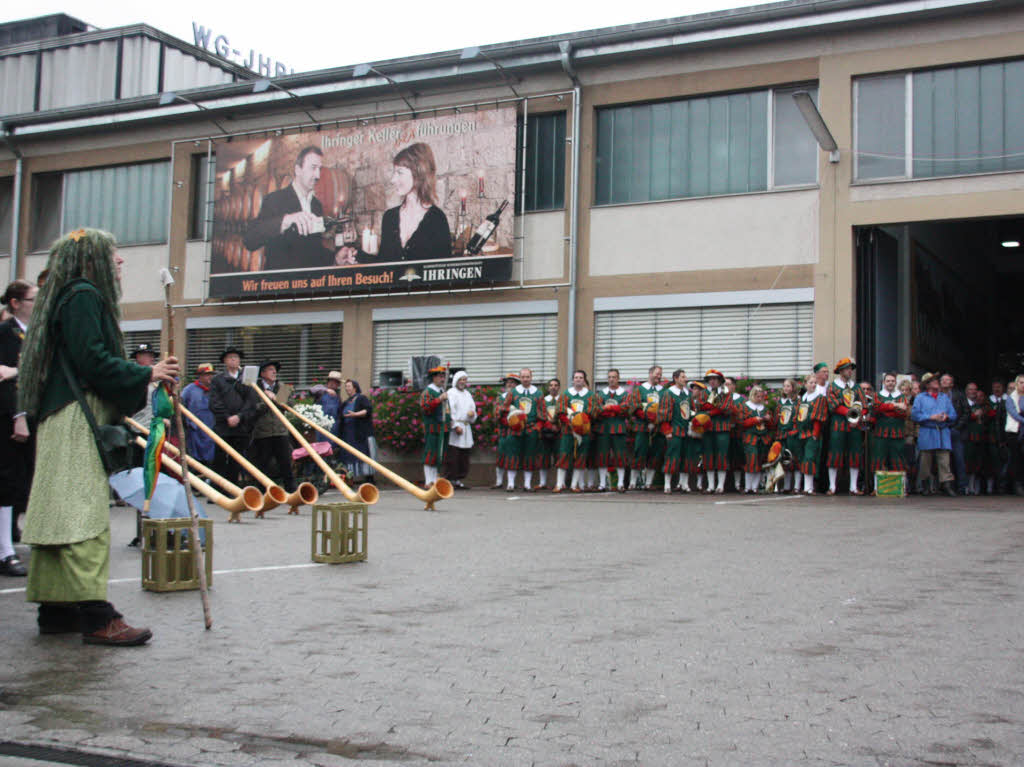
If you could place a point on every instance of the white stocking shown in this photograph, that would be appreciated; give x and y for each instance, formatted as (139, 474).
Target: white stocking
(753, 479)
(832, 475)
(6, 545)
(527, 479)
(560, 479)
(602, 473)
(854, 474)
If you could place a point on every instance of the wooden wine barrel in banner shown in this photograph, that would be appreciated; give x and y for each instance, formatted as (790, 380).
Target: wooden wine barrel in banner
(334, 190)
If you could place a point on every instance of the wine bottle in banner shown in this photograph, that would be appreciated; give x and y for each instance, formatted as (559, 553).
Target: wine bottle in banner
(485, 230)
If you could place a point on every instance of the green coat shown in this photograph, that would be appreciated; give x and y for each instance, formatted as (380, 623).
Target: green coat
(84, 329)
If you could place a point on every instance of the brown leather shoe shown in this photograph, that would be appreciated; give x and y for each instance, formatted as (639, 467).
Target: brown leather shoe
(117, 633)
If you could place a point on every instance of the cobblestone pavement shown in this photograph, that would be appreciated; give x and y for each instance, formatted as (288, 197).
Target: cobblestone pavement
(560, 630)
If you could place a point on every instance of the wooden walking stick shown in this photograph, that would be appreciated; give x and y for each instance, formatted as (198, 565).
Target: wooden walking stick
(179, 429)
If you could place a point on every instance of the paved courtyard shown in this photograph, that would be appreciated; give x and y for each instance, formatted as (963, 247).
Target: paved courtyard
(559, 630)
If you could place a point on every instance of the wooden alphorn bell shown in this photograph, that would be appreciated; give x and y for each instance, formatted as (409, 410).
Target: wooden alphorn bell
(366, 493)
(239, 499)
(440, 490)
(250, 498)
(275, 495)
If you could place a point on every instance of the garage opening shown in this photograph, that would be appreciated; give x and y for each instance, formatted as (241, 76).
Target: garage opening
(941, 296)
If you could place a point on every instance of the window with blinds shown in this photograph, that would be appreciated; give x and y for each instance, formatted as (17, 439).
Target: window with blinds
(307, 353)
(133, 338)
(770, 342)
(487, 347)
(131, 201)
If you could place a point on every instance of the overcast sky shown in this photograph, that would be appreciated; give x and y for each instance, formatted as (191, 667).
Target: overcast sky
(321, 35)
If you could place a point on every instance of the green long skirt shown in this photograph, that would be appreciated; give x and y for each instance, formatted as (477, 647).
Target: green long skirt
(68, 517)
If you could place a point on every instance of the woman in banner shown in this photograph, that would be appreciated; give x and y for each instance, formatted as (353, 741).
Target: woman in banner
(415, 230)
(68, 520)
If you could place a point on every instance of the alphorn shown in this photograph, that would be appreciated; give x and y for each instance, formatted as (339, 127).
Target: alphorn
(233, 490)
(249, 499)
(441, 490)
(366, 493)
(275, 494)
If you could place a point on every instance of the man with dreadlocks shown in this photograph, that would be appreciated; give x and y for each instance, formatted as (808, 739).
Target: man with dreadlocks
(67, 523)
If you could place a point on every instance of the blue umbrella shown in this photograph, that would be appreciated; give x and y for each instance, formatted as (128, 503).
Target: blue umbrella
(168, 501)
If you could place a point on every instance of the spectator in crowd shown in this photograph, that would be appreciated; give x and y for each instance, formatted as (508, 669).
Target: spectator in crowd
(233, 405)
(910, 432)
(328, 397)
(958, 431)
(196, 398)
(460, 439)
(934, 413)
(271, 441)
(16, 449)
(76, 328)
(356, 414)
(1014, 433)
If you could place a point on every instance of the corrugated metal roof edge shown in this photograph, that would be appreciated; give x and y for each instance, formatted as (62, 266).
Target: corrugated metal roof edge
(542, 52)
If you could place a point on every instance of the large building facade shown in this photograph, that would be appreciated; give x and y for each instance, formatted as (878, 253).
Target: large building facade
(672, 201)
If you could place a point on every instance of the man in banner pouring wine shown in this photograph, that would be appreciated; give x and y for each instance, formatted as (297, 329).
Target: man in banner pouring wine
(290, 223)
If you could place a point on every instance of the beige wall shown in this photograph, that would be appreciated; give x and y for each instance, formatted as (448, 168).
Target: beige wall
(735, 232)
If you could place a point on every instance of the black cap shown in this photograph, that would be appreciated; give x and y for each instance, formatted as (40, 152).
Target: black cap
(143, 349)
(231, 350)
(270, 364)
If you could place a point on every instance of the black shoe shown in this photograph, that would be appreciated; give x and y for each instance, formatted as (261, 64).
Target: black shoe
(947, 488)
(135, 543)
(12, 566)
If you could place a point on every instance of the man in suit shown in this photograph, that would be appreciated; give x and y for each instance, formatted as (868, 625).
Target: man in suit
(234, 408)
(291, 220)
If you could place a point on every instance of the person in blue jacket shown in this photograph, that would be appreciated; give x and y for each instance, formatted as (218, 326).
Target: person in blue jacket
(196, 397)
(933, 411)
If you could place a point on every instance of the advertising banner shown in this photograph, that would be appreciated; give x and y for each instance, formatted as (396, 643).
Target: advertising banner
(424, 203)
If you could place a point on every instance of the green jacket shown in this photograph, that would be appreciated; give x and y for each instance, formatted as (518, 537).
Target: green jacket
(83, 329)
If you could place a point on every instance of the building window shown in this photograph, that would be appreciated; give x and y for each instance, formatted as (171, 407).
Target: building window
(6, 214)
(307, 352)
(487, 347)
(769, 342)
(130, 201)
(47, 210)
(133, 338)
(728, 144)
(940, 122)
(545, 161)
(200, 226)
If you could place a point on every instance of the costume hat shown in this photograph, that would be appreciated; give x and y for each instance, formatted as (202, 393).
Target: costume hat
(845, 362)
(204, 367)
(712, 373)
(231, 350)
(270, 364)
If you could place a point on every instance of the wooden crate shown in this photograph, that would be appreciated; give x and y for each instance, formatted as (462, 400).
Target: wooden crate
(339, 532)
(168, 563)
(891, 483)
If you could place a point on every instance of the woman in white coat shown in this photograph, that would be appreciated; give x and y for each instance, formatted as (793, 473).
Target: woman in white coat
(460, 437)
